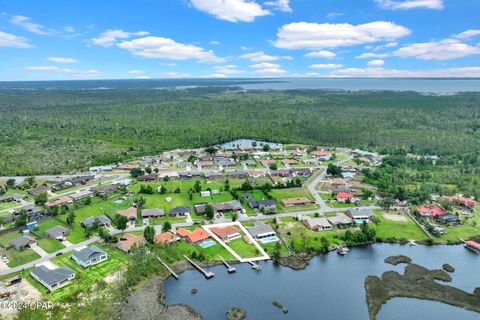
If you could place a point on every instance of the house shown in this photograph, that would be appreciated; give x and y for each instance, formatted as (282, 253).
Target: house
(263, 205)
(431, 211)
(289, 202)
(165, 238)
(250, 163)
(288, 162)
(53, 279)
(297, 172)
(316, 224)
(128, 166)
(344, 197)
(58, 233)
(12, 197)
(79, 195)
(152, 213)
(448, 219)
(104, 191)
(360, 215)
(267, 162)
(33, 213)
(22, 242)
(130, 213)
(180, 211)
(38, 190)
(197, 236)
(147, 177)
(261, 230)
(322, 155)
(340, 220)
(128, 241)
(337, 182)
(227, 233)
(182, 232)
(229, 206)
(205, 193)
(461, 201)
(79, 180)
(89, 256)
(101, 221)
(96, 169)
(62, 201)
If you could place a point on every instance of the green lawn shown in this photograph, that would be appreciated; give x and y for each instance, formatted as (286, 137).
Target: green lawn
(45, 225)
(397, 230)
(17, 258)
(243, 249)
(50, 245)
(465, 230)
(280, 194)
(175, 252)
(7, 237)
(85, 278)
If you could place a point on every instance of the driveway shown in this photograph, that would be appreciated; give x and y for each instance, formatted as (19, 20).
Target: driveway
(40, 251)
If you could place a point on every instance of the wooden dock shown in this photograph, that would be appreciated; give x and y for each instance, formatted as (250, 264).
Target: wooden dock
(168, 268)
(230, 269)
(207, 274)
(254, 266)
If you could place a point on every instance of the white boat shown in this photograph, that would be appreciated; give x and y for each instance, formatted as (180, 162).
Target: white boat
(342, 250)
(412, 242)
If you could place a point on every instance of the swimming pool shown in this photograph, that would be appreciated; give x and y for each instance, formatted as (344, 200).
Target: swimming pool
(207, 244)
(269, 239)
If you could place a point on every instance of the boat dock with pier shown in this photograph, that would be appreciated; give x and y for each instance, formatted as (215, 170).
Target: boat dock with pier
(207, 274)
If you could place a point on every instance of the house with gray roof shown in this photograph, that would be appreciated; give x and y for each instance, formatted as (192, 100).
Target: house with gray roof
(53, 279)
(262, 205)
(316, 224)
(89, 256)
(22, 242)
(180, 211)
(58, 233)
(101, 220)
(340, 220)
(360, 214)
(261, 230)
(152, 213)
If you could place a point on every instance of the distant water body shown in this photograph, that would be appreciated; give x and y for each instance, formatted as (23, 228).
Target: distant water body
(330, 288)
(423, 85)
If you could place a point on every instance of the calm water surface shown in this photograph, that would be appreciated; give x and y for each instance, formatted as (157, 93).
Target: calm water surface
(330, 288)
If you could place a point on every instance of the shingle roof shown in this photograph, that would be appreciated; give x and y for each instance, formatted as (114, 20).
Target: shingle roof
(22, 241)
(260, 228)
(52, 276)
(88, 253)
(102, 220)
(57, 231)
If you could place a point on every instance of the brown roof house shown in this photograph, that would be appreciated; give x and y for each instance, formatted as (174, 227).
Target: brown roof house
(128, 241)
(289, 202)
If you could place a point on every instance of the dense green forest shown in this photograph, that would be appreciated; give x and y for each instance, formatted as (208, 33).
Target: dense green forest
(54, 131)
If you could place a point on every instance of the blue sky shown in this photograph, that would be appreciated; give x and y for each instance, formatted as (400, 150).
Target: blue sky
(119, 39)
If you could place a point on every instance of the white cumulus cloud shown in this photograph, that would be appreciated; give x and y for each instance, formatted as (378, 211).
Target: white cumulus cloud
(231, 10)
(321, 54)
(13, 41)
(376, 63)
(110, 37)
(325, 66)
(438, 50)
(261, 56)
(312, 36)
(175, 75)
(380, 72)
(160, 47)
(410, 4)
(27, 24)
(62, 60)
(281, 5)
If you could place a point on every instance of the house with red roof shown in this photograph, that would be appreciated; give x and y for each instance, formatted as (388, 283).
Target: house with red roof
(461, 201)
(431, 211)
(198, 236)
(227, 233)
(322, 155)
(344, 197)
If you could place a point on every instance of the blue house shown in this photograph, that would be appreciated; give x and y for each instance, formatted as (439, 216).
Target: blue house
(89, 256)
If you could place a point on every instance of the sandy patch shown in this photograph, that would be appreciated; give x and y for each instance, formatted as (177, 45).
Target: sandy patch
(395, 217)
(24, 292)
(111, 278)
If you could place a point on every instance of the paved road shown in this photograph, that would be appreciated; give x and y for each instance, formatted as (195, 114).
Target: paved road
(48, 257)
(324, 208)
(114, 177)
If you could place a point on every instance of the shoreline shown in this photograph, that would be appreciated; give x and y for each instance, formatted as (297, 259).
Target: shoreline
(140, 301)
